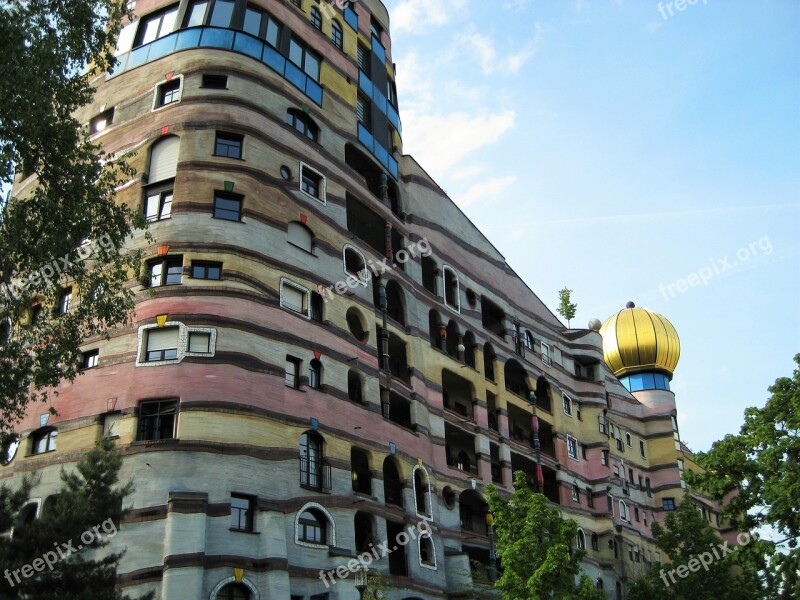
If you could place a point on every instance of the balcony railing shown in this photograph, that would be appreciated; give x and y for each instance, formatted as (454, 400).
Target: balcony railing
(221, 39)
(315, 474)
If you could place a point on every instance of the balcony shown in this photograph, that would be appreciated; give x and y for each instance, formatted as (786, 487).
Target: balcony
(221, 39)
(460, 449)
(457, 395)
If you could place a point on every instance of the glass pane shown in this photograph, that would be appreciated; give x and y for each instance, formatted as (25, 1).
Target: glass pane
(168, 22)
(151, 207)
(197, 13)
(252, 22)
(223, 11)
(312, 66)
(155, 274)
(166, 208)
(174, 273)
(272, 32)
(296, 53)
(227, 204)
(151, 30)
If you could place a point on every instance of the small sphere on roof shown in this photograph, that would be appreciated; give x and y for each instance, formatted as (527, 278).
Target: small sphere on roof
(630, 304)
(595, 324)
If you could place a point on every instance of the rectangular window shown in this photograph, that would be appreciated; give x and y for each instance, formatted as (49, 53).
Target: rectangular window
(45, 442)
(101, 121)
(589, 498)
(337, 35)
(601, 421)
(567, 405)
(155, 26)
(168, 93)
(161, 344)
(306, 60)
(641, 448)
(620, 445)
(157, 420)
(200, 342)
(604, 457)
(312, 183)
(90, 359)
(545, 353)
(65, 302)
(292, 372)
(111, 424)
(242, 509)
(364, 112)
(206, 270)
(222, 13)
(166, 271)
(228, 145)
(158, 205)
(215, 82)
(364, 59)
(647, 486)
(584, 451)
(576, 494)
(227, 207)
(294, 297)
(572, 447)
(196, 13)
(668, 504)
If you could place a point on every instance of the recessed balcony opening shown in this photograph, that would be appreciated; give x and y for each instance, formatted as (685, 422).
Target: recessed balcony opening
(366, 224)
(398, 565)
(469, 349)
(516, 379)
(479, 564)
(586, 368)
(360, 473)
(395, 300)
(543, 395)
(453, 335)
(460, 449)
(371, 173)
(458, 394)
(400, 410)
(550, 484)
(489, 359)
(398, 363)
(364, 532)
(392, 484)
(434, 329)
(493, 317)
(493, 411)
(429, 269)
(519, 425)
(497, 467)
(472, 509)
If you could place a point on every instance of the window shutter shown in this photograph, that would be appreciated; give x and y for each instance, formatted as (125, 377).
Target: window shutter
(299, 236)
(162, 339)
(164, 159)
(199, 342)
(292, 298)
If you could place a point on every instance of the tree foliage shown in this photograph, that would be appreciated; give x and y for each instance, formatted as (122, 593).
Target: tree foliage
(534, 546)
(62, 227)
(758, 472)
(89, 505)
(566, 308)
(711, 573)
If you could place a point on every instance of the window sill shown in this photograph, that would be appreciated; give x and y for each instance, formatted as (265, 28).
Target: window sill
(239, 158)
(235, 530)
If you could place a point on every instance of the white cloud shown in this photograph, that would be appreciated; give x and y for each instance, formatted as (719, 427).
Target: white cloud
(439, 142)
(416, 15)
(485, 190)
(516, 6)
(467, 172)
(483, 48)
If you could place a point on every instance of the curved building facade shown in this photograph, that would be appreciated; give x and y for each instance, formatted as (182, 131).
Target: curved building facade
(326, 354)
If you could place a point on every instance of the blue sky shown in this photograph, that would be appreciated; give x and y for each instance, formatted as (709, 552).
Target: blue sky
(603, 147)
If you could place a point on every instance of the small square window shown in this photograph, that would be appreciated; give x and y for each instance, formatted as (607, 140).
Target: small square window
(45, 441)
(312, 183)
(101, 121)
(199, 342)
(668, 504)
(168, 93)
(292, 372)
(206, 270)
(227, 207)
(228, 145)
(294, 297)
(157, 420)
(242, 510)
(215, 82)
(91, 358)
(158, 205)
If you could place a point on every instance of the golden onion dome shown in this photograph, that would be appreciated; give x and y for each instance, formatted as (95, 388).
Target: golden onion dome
(636, 339)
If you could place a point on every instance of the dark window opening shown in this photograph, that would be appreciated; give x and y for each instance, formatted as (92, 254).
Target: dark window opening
(157, 420)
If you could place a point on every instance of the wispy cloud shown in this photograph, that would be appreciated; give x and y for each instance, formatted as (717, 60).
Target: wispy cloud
(484, 49)
(516, 6)
(417, 15)
(485, 190)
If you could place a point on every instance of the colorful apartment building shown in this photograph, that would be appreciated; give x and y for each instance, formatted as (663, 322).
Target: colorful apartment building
(326, 353)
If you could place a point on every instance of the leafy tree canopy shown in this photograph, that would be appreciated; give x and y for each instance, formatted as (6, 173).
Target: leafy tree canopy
(566, 308)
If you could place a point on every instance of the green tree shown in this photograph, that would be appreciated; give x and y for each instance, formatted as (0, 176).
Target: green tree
(62, 228)
(758, 472)
(534, 546)
(89, 505)
(566, 308)
(711, 573)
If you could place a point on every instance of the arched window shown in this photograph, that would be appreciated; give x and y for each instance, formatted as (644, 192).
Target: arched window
(422, 490)
(27, 515)
(392, 485)
(234, 591)
(355, 388)
(337, 35)
(300, 236)
(451, 291)
(623, 511)
(311, 460)
(312, 527)
(316, 18)
(364, 532)
(317, 304)
(427, 552)
(469, 349)
(302, 123)
(581, 540)
(315, 374)
(599, 583)
(355, 264)
(488, 361)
